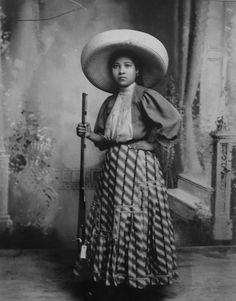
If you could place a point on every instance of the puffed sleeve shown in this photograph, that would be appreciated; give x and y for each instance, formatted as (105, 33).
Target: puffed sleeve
(100, 123)
(164, 116)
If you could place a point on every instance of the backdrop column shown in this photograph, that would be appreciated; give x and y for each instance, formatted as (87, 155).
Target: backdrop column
(5, 221)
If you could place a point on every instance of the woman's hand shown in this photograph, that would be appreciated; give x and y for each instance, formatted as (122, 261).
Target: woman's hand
(83, 130)
(143, 144)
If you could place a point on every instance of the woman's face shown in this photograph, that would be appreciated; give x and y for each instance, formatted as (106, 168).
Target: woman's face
(124, 71)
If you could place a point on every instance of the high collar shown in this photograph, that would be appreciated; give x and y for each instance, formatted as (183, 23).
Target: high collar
(127, 90)
(137, 93)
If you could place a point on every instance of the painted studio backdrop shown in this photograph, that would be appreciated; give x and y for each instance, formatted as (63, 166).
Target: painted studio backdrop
(41, 90)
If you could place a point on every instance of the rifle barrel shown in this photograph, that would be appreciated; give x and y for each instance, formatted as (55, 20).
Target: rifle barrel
(82, 207)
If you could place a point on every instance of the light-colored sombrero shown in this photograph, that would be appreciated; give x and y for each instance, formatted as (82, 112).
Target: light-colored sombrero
(97, 52)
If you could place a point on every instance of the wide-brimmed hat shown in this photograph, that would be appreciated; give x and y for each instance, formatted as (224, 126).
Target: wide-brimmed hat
(96, 54)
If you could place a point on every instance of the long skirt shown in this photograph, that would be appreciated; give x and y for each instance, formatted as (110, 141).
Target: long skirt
(129, 230)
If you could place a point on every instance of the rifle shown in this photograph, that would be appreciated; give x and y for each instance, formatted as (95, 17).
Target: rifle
(82, 204)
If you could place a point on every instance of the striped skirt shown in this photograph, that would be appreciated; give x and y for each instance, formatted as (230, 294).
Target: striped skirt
(129, 230)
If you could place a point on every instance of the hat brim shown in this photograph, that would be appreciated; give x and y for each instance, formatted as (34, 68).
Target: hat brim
(96, 55)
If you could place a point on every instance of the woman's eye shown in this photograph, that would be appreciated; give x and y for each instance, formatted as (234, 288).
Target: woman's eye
(115, 66)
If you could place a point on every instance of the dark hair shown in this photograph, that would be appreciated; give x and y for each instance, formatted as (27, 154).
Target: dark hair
(133, 56)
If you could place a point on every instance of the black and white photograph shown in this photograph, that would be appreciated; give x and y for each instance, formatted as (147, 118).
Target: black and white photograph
(118, 150)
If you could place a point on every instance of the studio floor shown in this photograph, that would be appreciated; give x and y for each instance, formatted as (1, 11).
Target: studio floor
(206, 274)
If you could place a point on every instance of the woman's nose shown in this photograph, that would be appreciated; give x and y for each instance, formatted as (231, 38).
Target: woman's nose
(121, 70)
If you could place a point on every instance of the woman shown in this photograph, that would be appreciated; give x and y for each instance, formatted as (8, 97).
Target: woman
(129, 231)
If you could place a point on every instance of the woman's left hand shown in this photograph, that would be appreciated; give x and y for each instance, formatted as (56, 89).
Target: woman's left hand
(143, 144)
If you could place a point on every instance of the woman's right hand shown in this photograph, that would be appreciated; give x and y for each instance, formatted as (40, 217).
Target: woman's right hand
(83, 130)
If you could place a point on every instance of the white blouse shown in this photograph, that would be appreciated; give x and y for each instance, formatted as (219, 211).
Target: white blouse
(119, 122)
